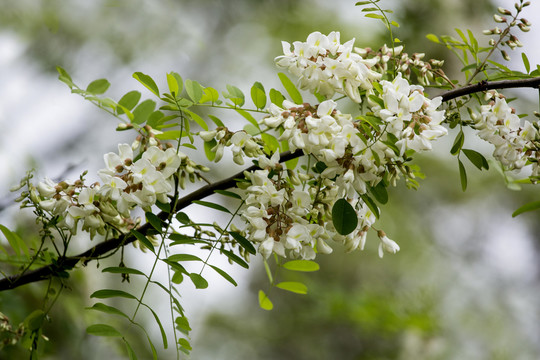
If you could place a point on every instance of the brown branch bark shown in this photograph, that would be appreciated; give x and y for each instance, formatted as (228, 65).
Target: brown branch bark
(105, 247)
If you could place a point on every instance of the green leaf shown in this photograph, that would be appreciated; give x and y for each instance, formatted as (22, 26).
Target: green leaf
(228, 193)
(237, 259)
(224, 274)
(195, 117)
(184, 344)
(293, 92)
(11, 238)
(109, 293)
(184, 257)
(258, 96)
(209, 95)
(264, 301)
(216, 120)
(64, 77)
(147, 81)
(143, 240)
(173, 84)
(123, 270)
(344, 217)
(245, 243)
(370, 204)
(458, 143)
(142, 111)
(183, 218)
(194, 90)
(374, 16)
(248, 117)
(276, 97)
(526, 63)
(34, 321)
(182, 324)
(293, 286)
(154, 220)
(235, 95)
(208, 146)
(476, 159)
(98, 87)
(251, 129)
(211, 205)
(462, 175)
(380, 193)
(433, 38)
(198, 281)
(130, 351)
(301, 265)
(107, 309)
(271, 143)
(161, 329)
(535, 205)
(102, 330)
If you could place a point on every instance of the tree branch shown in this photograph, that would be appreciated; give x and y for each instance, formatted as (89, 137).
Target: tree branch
(491, 85)
(67, 263)
(104, 247)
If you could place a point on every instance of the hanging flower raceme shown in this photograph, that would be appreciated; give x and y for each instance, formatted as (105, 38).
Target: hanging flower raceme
(126, 184)
(326, 66)
(514, 144)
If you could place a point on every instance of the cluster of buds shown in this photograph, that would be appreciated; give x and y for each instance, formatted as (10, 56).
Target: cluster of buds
(506, 38)
(242, 144)
(404, 63)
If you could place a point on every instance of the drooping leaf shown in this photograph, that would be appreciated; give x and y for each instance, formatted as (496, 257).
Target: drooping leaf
(184, 257)
(237, 259)
(258, 96)
(293, 92)
(131, 353)
(108, 309)
(143, 240)
(228, 193)
(301, 265)
(224, 274)
(98, 87)
(476, 159)
(198, 281)
(34, 321)
(195, 117)
(147, 81)
(344, 217)
(123, 270)
(248, 117)
(462, 175)
(458, 143)
(370, 204)
(212, 205)
(102, 330)
(208, 146)
(535, 205)
(271, 143)
(293, 286)
(183, 218)
(264, 301)
(380, 193)
(216, 120)
(154, 220)
(110, 293)
(64, 77)
(245, 243)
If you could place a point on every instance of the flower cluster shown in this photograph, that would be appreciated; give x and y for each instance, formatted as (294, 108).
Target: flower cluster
(127, 183)
(292, 222)
(242, 144)
(404, 63)
(410, 116)
(499, 125)
(326, 66)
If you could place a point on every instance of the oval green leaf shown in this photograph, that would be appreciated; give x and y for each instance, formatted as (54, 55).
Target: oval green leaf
(293, 286)
(301, 265)
(264, 301)
(344, 217)
(102, 330)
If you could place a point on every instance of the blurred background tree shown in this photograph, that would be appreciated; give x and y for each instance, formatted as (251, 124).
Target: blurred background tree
(465, 283)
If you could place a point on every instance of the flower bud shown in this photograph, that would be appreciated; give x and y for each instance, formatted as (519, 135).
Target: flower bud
(505, 55)
(499, 18)
(503, 11)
